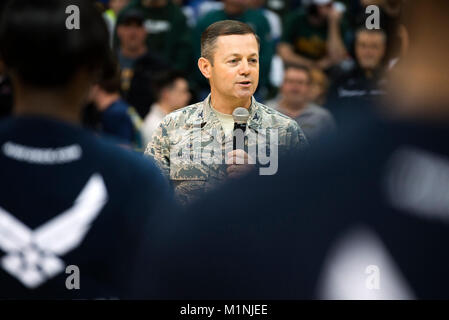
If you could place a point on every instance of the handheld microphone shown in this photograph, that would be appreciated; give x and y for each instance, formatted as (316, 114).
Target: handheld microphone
(241, 116)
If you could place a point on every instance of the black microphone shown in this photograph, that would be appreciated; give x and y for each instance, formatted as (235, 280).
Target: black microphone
(241, 116)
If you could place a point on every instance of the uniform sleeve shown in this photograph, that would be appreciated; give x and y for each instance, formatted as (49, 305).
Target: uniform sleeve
(159, 149)
(298, 139)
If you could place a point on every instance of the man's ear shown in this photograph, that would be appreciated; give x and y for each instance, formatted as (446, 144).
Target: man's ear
(205, 67)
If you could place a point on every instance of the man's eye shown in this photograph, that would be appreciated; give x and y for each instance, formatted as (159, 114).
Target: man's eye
(254, 60)
(233, 61)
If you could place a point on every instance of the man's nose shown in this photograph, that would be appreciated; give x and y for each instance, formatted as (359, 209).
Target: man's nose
(244, 67)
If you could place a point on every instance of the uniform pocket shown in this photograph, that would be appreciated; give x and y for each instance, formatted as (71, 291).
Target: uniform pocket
(188, 172)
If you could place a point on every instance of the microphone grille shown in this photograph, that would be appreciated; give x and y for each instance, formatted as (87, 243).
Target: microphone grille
(240, 115)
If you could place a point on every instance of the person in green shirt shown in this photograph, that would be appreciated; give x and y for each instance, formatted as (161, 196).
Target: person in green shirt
(167, 32)
(314, 37)
(238, 10)
(110, 15)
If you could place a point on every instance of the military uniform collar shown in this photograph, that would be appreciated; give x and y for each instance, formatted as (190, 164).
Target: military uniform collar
(205, 115)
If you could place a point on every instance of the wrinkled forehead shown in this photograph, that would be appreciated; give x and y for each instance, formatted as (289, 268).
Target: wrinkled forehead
(244, 45)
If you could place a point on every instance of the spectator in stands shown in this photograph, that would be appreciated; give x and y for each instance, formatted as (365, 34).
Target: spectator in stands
(110, 15)
(360, 88)
(282, 7)
(294, 101)
(390, 13)
(117, 118)
(319, 84)
(273, 18)
(172, 92)
(167, 32)
(314, 37)
(238, 10)
(196, 9)
(138, 64)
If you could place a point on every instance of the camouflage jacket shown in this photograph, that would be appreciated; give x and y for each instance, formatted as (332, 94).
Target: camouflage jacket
(190, 145)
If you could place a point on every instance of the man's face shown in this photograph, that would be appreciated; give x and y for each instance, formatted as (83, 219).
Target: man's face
(296, 86)
(235, 70)
(132, 35)
(178, 95)
(369, 49)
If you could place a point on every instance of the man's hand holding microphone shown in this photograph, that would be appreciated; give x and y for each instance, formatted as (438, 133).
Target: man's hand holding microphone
(239, 162)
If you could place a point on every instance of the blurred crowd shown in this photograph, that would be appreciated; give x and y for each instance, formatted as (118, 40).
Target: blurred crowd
(319, 64)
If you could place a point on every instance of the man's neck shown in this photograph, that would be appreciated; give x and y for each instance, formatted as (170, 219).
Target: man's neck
(292, 110)
(133, 53)
(227, 106)
(47, 104)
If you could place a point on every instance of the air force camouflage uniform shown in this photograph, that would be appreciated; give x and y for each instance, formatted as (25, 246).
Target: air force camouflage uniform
(190, 145)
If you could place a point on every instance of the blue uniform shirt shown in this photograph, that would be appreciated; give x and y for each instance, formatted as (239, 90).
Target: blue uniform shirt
(69, 198)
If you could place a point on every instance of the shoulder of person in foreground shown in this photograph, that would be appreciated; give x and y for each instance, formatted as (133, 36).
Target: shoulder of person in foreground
(138, 177)
(138, 191)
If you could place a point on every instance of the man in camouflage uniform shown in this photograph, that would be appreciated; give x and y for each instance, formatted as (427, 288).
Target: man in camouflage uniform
(194, 145)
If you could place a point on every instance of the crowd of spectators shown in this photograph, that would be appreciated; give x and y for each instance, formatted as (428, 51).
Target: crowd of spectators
(347, 64)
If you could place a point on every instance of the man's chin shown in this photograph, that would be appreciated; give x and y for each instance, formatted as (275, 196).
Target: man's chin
(244, 94)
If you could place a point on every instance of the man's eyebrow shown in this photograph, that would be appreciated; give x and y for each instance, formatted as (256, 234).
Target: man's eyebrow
(233, 54)
(239, 55)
